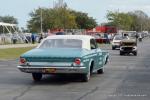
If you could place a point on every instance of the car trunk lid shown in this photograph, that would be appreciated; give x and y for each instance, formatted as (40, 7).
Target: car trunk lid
(53, 55)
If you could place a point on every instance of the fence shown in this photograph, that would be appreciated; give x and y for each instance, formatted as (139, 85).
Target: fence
(10, 38)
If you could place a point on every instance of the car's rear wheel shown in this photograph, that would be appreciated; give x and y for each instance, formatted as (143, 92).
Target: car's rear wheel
(36, 76)
(86, 77)
(113, 48)
(121, 53)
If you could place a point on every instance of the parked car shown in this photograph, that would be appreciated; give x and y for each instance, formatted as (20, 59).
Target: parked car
(100, 38)
(64, 54)
(116, 42)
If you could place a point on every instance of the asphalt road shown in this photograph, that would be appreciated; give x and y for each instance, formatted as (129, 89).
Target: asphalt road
(125, 78)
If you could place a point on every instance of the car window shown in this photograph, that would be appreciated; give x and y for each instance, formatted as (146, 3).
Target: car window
(117, 38)
(126, 37)
(93, 44)
(61, 43)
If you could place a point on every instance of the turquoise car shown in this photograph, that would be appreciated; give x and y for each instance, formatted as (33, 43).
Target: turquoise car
(64, 54)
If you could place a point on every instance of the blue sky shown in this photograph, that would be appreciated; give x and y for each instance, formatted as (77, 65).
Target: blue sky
(95, 8)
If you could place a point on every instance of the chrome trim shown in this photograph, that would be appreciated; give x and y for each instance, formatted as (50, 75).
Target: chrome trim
(28, 67)
(86, 60)
(89, 56)
(62, 70)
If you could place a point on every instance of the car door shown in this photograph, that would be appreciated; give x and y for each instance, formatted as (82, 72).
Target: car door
(94, 52)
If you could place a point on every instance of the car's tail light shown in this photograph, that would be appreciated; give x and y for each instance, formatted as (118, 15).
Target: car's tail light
(22, 60)
(77, 61)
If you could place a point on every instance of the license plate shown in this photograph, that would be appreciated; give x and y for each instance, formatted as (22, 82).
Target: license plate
(49, 70)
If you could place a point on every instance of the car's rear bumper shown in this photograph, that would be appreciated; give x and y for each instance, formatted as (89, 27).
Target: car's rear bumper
(116, 46)
(128, 51)
(52, 70)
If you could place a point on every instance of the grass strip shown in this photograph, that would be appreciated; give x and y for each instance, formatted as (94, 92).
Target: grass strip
(13, 53)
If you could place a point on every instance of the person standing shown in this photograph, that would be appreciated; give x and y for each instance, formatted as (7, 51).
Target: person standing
(40, 38)
(33, 38)
(106, 37)
(14, 38)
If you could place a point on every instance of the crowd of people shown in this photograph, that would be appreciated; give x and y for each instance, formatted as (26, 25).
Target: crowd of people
(36, 38)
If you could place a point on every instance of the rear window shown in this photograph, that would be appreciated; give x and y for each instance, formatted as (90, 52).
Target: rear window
(61, 43)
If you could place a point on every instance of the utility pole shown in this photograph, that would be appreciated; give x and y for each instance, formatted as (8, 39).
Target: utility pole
(41, 21)
(141, 27)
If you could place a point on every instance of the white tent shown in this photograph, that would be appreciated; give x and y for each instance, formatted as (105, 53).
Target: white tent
(9, 27)
(12, 31)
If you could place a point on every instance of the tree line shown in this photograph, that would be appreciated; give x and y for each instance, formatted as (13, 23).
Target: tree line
(130, 21)
(59, 17)
(8, 19)
(62, 17)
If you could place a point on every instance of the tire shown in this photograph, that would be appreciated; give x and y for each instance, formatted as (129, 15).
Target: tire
(100, 71)
(106, 60)
(86, 77)
(113, 48)
(36, 76)
(135, 53)
(121, 53)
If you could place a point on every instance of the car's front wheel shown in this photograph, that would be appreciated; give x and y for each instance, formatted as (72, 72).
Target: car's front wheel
(101, 71)
(36, 76)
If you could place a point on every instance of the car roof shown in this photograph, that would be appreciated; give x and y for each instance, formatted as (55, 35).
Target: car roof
(79, 37)
(84, 38)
